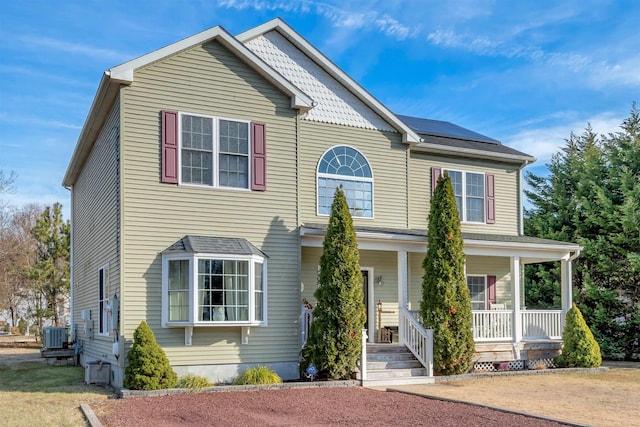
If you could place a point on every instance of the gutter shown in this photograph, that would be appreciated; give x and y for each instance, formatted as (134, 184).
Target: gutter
(521, 196)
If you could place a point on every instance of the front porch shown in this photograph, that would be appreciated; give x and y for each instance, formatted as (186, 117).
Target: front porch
(504, 329)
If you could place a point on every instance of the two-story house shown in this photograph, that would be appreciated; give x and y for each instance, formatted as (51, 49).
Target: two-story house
(201, 186)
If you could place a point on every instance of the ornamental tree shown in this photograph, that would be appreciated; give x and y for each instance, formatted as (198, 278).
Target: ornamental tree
(335, 336)
(580, 348)
(148, 367)
(446, 305)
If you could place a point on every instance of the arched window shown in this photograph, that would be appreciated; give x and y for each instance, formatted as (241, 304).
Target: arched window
(347, 166)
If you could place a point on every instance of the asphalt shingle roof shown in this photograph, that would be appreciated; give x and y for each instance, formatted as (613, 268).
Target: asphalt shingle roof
(214, 245)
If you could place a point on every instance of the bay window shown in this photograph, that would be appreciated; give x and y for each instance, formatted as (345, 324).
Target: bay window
(201, 289)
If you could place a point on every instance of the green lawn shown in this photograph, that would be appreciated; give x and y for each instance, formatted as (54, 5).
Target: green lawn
(36, 394)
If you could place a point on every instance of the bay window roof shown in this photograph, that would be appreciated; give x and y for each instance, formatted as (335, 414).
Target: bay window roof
(214, 245)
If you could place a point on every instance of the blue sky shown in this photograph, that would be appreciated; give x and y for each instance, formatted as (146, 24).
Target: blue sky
(526, 73)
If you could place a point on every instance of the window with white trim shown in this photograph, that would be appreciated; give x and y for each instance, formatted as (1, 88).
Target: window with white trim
(469, 190)
(346, 166)
(204, 290)
(478, 292)
(103, 300)
(214, 151)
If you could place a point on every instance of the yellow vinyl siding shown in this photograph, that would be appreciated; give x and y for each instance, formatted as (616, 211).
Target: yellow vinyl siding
(387, 158)
(493, 266)
(209, 80)
(95, 234)
(506, 191)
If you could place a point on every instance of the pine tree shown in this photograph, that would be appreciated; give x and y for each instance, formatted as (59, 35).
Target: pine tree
(580, 348)
(148, 367)
(446, 305)
(335, 337)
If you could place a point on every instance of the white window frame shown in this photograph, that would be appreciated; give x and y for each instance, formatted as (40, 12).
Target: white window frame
(464, 173)
(345, 178)
(104, 309)
(216, 152)
(486, 291)
(253, 260)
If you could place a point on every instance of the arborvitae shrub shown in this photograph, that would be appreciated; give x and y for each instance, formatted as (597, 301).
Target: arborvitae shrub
(580, 348)
(446, 305)
(148, 367)
(335, 337)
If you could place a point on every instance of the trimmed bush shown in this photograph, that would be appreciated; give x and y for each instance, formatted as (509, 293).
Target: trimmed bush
(335, 337)
(258, 375)
(148, 367)
(580, 348)
(446, 304)
(194, 382)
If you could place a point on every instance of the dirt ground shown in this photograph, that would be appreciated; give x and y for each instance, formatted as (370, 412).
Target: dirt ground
(595, 399)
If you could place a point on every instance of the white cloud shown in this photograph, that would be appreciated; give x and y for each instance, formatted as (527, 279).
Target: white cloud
(543, 142)
(73, 48)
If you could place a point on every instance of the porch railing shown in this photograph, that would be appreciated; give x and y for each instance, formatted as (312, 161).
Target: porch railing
(417, 339)
(497, 325)
(542, 324)
(491, 325)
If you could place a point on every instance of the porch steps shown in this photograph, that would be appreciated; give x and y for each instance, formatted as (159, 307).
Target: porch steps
(393, 364)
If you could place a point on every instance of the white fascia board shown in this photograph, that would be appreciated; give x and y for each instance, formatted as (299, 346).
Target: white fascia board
(408, 135)
(106, 93)
(467, 152)
(124, 73)
(396, 242)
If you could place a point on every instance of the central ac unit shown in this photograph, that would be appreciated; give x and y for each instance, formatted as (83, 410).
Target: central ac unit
(56, 337)
(97, 373)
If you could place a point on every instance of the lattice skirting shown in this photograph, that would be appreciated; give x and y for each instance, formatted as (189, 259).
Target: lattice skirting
(515, 365)
(540, 364)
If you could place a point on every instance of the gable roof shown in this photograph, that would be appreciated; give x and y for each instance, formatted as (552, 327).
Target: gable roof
(214, 245)
(277, 24)
(113, 78)
(445, 137)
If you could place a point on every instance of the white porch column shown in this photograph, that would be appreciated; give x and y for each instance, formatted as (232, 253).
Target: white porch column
(403, 294)
(566, 285)
(515, 287)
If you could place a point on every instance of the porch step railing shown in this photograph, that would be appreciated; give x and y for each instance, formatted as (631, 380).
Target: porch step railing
(541, 324)
(417, 339)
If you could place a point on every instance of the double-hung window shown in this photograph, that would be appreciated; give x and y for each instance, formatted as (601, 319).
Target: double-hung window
(214, 151)
(477, 292)
(469, 191)
(201, 289)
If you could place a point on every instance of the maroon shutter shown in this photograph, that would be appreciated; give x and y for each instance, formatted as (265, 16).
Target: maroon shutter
(491, 289)
(491, 199)
(435, 174)
(259, 157)
(170, 147)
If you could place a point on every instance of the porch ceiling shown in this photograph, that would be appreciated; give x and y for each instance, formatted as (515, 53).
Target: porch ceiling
(530, 249)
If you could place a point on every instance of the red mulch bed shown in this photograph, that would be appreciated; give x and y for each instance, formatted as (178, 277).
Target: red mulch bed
(354, 406)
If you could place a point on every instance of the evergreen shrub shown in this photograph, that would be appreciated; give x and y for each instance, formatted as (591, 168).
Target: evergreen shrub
(335, 337)
(446, 304)
(148, 367)
(580, 348)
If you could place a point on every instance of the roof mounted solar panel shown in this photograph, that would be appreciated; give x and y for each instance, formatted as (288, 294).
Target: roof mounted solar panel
(444, 129)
